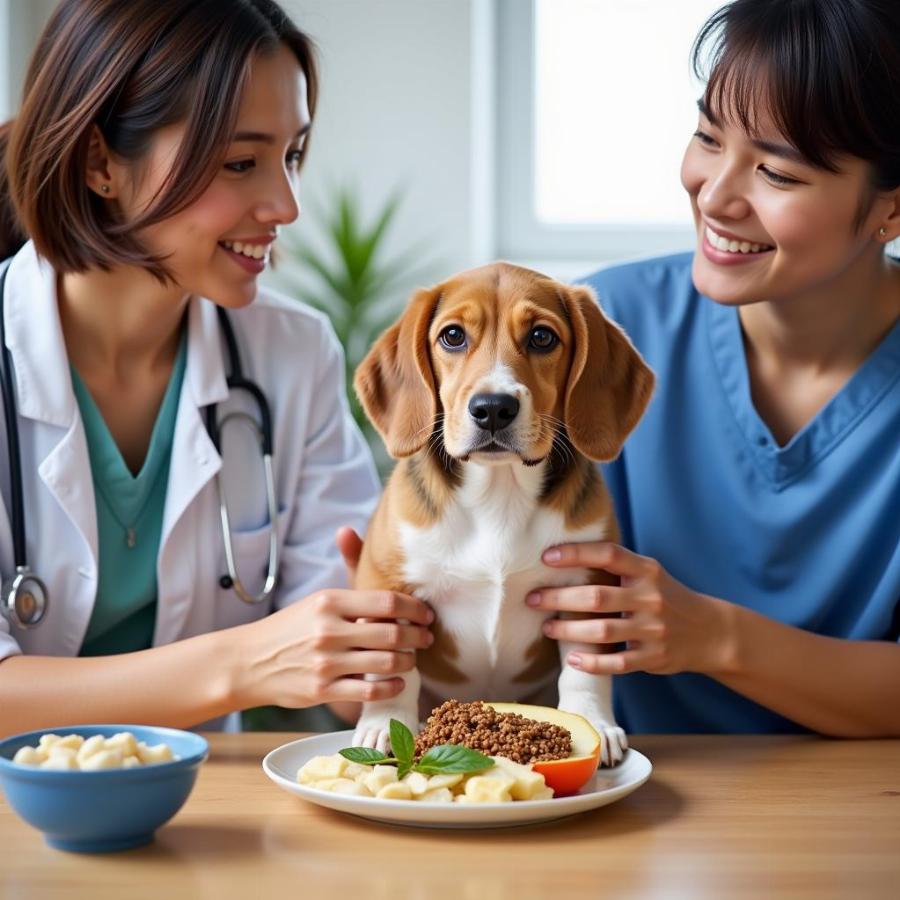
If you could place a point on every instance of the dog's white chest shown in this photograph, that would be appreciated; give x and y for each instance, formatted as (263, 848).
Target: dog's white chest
(475, 568)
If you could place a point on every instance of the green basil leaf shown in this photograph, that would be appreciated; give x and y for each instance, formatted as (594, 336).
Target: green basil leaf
(365, 755)
(402, 742)
(448, 758)
(402, 769)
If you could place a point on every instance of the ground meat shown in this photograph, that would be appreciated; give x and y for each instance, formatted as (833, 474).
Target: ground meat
(481, 727)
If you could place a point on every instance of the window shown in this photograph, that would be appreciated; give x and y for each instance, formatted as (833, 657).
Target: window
(597, 103)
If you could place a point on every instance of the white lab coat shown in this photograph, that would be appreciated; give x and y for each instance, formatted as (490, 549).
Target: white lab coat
(323, 470)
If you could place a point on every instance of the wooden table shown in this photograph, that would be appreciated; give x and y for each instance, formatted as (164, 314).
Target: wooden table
(721, 817)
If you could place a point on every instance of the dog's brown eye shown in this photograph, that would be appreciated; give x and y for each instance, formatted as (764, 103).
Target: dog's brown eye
(542, 339)
(453, 337)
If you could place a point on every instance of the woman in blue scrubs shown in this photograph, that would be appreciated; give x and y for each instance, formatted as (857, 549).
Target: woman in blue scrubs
(759, 498)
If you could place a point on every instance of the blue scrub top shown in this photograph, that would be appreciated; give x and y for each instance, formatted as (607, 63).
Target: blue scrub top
(807, 534)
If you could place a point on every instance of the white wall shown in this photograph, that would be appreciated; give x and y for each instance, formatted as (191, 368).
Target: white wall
(5, 66)
(405, 103)
(26, 20)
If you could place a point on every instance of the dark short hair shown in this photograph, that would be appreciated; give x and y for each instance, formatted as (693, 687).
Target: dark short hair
(827, 70)
(130, 67)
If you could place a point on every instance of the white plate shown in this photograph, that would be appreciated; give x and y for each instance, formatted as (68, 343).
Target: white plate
(607, 786)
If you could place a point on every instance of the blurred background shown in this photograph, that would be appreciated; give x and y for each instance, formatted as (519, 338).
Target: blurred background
(545, 132)
(454, 132)
(451, 133)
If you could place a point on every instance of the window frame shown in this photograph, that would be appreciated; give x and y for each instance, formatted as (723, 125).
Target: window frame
(520, 235)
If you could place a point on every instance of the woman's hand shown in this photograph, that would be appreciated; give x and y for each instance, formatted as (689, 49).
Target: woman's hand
(350, 544)
(316, 650)
(668, 627)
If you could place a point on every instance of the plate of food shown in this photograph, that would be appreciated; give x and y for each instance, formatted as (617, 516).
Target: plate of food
(473, 765)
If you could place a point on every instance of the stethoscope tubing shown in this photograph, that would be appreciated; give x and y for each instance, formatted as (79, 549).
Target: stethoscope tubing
(16, 588)
(12, 437)
(233, 580)
(24, 595)
(236, 381)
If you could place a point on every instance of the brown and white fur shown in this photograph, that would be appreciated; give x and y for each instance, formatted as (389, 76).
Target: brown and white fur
(470, 507)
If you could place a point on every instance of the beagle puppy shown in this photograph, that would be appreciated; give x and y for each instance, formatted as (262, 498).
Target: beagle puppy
(498, 391)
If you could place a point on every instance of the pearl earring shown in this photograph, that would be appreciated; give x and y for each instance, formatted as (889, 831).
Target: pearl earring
(882, 232)
(105, 189)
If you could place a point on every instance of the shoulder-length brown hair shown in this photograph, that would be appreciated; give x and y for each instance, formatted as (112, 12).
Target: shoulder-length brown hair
(130, 67)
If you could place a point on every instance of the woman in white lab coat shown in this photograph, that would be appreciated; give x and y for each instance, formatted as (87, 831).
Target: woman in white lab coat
(152, 162)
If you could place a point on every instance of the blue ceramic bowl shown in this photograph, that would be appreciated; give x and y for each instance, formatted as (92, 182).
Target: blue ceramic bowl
(111, 809)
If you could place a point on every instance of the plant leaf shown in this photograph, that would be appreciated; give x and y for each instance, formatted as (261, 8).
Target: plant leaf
(365, 755)
(347, 273)
(320, 267)
(402, 743)
(370, 242)
(452, 758)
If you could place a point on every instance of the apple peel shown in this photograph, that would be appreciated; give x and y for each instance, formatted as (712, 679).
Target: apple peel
(569, 775)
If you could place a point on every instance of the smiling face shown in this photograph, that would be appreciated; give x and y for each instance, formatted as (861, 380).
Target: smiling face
(501, 348)
(769, 224)
(218, 245)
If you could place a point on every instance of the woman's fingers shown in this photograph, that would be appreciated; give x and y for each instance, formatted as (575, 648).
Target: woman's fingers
(597, 555)
(371, 662)
(585, 598)
(362, 691)
(601, 631)
(387, 636)
(631, 660)
(376, 605)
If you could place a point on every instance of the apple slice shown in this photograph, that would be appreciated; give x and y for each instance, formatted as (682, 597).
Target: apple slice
(565, 776)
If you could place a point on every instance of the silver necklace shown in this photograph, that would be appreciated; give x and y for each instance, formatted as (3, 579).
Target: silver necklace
(130, 530)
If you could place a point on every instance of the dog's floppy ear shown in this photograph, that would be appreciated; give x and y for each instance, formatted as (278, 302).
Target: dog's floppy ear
(395, 382)
(609, 384)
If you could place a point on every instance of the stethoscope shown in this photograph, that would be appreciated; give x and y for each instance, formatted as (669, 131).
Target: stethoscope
(24, 594)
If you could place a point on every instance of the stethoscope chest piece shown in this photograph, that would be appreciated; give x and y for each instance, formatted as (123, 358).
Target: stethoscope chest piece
(24, 598)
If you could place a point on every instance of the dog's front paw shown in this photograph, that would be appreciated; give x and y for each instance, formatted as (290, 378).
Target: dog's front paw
(615, 743)
(374, 729)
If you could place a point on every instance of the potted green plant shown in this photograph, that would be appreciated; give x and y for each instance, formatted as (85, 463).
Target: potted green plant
(353, 280)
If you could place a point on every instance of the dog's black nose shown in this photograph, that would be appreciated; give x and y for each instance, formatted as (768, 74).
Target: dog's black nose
(493, 412)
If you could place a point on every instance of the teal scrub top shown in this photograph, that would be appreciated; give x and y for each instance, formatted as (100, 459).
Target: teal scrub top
(807, 534)
(129, 523)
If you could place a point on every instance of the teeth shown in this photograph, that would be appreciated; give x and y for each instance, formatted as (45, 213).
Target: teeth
(254, 251)
(729, 246)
